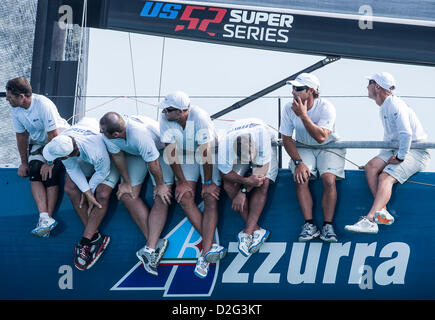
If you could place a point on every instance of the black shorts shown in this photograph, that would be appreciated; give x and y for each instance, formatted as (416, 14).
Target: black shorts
(56, 174)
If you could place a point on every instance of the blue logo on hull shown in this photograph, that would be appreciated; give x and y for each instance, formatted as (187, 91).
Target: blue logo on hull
(176, 277)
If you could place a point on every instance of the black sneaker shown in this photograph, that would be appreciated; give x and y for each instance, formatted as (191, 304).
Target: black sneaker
(83, 258)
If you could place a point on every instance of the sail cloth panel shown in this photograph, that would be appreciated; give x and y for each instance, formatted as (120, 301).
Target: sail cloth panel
(396, 32)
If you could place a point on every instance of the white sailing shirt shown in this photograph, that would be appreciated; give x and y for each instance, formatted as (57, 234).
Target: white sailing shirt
(199, 130)
(92, 150)
(322, 114)
(400, 124)
(41, 117)
(259, 133)
(142, 139)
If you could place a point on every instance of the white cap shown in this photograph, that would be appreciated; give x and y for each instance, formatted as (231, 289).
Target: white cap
(178, 100)
(384, 79)
(59, 147)
(306, 79)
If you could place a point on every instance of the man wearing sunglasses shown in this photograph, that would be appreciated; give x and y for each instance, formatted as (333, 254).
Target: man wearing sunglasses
(190, 139)
(390, 166)
(36, 117)
(312, 120)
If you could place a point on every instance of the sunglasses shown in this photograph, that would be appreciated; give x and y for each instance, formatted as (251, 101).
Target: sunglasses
(372, 81)
(167, 110)
(300, 88)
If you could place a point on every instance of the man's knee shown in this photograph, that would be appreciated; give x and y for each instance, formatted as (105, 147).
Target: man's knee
(374, 166)
(102, 193)
(386, 179)
(210, 202)
(35, 170)
(187, 199)
(328, 181)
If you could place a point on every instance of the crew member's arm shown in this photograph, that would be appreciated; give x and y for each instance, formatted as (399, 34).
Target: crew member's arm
(209, 187)
(302, 173)
(318, 133)
(22, 144)
(121, 164)
(161, 189)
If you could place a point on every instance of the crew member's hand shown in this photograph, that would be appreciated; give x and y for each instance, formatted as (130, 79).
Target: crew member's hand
(46, 171)
(91, 201)
(302, 173)
(393, 160)
(211, 189)
(299, 107)
(23, 170)
(164, 192)
(254, 181)
(125, 188)
(239, 202)
(181, 189)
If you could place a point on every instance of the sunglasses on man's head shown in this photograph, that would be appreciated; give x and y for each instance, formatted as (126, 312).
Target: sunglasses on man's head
(300, 88)
(167, 110)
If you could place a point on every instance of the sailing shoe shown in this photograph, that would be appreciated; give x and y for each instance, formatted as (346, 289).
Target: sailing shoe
(216, 253)
(245, 241)
(309, 232)
(258, 238)
(328, 234)
(384, 217)
(201, 269)
(161, 246)
(96, 249)
(363, 225)
(44, 226)
(149, 260)
(84, 257)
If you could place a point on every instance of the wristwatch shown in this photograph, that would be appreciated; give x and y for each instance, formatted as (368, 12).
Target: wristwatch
(398, 159)
(297, 161)
(209, 182)
(244, 190)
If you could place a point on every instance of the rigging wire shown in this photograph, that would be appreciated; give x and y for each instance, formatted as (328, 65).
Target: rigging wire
(161, 74)
(132, 69)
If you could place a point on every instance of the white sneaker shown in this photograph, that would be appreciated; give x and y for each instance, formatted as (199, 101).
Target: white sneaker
(258, 238)
(216, 253)
(384, 217)
(44, 226)
(201, 269)
(363, 225)
(245, 241)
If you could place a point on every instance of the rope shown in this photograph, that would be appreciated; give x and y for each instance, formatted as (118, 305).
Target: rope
(132, 69)
(161, 74)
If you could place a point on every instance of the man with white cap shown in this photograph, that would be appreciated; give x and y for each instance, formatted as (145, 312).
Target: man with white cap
(36, 116)
(135, 148)
(189, 136)
(402, 126)
(84, 155)
(312, 120)
(248, 145)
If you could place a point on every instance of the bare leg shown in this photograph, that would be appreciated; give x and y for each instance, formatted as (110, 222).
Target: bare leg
(305, 200)
(52, 194)
(102, 195)
(209, 221)
(74, 194)
(383, 194)
(138, 210)
(156, 221)
(191, 210)
(257, 201)
(329, 197)
(373, 169)
(232, 189)
(39, 195)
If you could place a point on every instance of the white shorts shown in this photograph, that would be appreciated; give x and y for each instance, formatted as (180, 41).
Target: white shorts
(416, 160)
(138, 170)
(88, 171)
(192, 170)
(241, 169)
(321, 161)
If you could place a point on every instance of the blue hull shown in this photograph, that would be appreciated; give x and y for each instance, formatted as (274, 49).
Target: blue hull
(394, 264)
